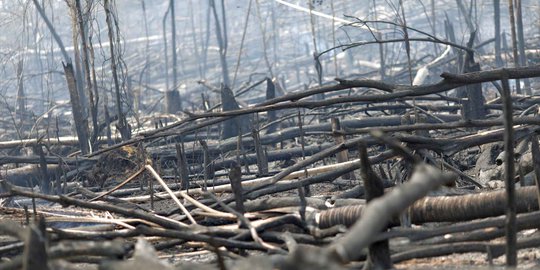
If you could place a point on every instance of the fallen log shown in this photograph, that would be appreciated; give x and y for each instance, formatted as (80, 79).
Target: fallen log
(48, 160)
(442, 208)
(379, 213)
(494, 249)
(28, 176)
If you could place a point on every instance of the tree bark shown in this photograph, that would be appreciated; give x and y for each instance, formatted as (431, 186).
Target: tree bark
(442, 208)
(122, 123)
(173, 102)
(521, 44)
(378, 252)
(81, 123)
(93, 103)
(514, 41)
(236, 125)
(497, 24)
(221, 35)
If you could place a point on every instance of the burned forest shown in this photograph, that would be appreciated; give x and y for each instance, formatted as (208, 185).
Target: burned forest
(269, 134)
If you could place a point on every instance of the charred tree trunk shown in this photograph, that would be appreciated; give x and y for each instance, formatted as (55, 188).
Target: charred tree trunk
(521, 44)
(514, 40)
(473, 106)
(81, 123)
(221, 35)
(378, 252)
(79, 78)
(122, 123)
(270, 94)
(497, 24)
(86, 62)
(443, 208)
(20, 110)
(172, 96)
(236, 125)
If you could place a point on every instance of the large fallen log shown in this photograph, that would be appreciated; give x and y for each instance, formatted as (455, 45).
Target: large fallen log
(442, 208)
(379, 212)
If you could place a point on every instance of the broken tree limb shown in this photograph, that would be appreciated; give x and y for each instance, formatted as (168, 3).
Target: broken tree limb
(64, 200)
(48, 160)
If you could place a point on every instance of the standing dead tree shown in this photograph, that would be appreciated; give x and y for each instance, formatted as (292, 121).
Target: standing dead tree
(93, 95)
(123, 126)
(221, 34)
(514, 40)
(173, 102)
(81, 122)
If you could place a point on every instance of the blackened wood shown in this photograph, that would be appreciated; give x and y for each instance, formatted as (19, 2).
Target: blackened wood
(451, 81)
(173, 105)
(93, 104)
(474, 106)
(20, 109)
(81, 123)
(378, 214)
(524, 221)
(521, 43)
(108, 121)
(509, 172)
(514, 40)
(535, 149)
(45, 182)
(235, 175)
(234, 126)
(496, 249)
(378, 252)
(262, 161)
(182, 166)
(444, 208)
(472, 98)
(497, 25)
(64, 200)
(209, 171)
(123, 126)
(359, 191)
(270, 94)
(421, 119)
(307, 191)
(321, 178)
(27, 176)
(339, 138)
(294, 132)
(35, 253)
